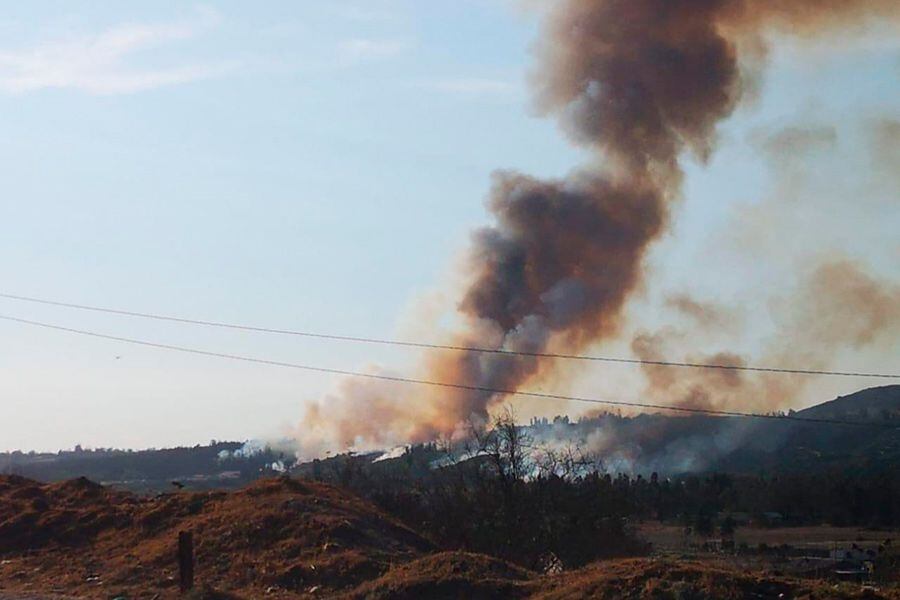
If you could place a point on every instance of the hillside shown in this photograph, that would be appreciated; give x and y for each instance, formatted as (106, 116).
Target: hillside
(673, 445)
(217, 465)
(873, 446)
(877, 403)
(83, 538)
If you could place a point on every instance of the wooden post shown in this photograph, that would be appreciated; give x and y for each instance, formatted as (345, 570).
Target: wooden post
(186, 560)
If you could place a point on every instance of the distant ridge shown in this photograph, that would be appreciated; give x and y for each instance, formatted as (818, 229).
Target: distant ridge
(776, 447)
(647, 443)
(868, 404)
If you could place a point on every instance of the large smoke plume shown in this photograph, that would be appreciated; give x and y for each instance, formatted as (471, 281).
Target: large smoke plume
(638, 83)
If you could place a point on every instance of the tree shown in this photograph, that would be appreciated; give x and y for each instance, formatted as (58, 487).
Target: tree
(506, 446)
(703, 523)
(569, 461)
(727, 527)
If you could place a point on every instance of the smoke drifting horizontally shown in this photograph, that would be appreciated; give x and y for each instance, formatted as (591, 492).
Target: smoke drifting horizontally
(638, 82)
(838, 305)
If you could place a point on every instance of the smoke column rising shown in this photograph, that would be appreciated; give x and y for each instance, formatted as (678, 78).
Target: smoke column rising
(638, 83)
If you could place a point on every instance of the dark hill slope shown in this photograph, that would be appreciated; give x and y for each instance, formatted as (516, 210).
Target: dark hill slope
(869, 444)
(872, 404)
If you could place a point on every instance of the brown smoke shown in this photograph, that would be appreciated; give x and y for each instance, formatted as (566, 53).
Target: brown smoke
(705, 314)
(793, 140)
(885, 151)
(688, 388)
(637, 82)
(838, 305)
(842, 304)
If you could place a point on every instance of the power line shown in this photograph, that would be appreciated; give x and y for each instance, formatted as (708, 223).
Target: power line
(426, 382)
(457, 348)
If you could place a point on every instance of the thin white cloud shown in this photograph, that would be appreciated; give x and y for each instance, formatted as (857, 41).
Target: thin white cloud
(365, 14)
(97, 63)
(363, 49)
(371, 12)
(472, 87)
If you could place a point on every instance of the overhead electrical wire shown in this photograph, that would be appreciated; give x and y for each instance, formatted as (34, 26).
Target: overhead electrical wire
(441, 384)
(450, 347)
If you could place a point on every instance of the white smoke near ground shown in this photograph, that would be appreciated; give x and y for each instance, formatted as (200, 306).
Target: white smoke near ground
(642, 445)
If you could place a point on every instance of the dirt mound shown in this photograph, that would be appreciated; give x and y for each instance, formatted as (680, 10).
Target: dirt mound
(462, 575)
(279, 535)
(662, 579)
(35, 516)
(449, 575)
(285, 534)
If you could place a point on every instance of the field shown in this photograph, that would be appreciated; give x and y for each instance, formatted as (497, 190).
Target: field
(811, 553)
(671, 538)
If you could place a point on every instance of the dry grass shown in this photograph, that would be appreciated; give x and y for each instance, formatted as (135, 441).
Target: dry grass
(449, 575)
(279, 535)
(461, 575)
(649, 578)
(288, 539)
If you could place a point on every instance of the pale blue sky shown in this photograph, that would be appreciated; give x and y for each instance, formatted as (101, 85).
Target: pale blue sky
(312, 165)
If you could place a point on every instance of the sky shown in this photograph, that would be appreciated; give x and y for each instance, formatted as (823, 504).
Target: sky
(319, 165)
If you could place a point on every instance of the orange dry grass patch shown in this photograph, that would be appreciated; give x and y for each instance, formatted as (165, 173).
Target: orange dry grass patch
(449, 575)
(35, 516)
(663, 579)
(278, 535)
(462, 575)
